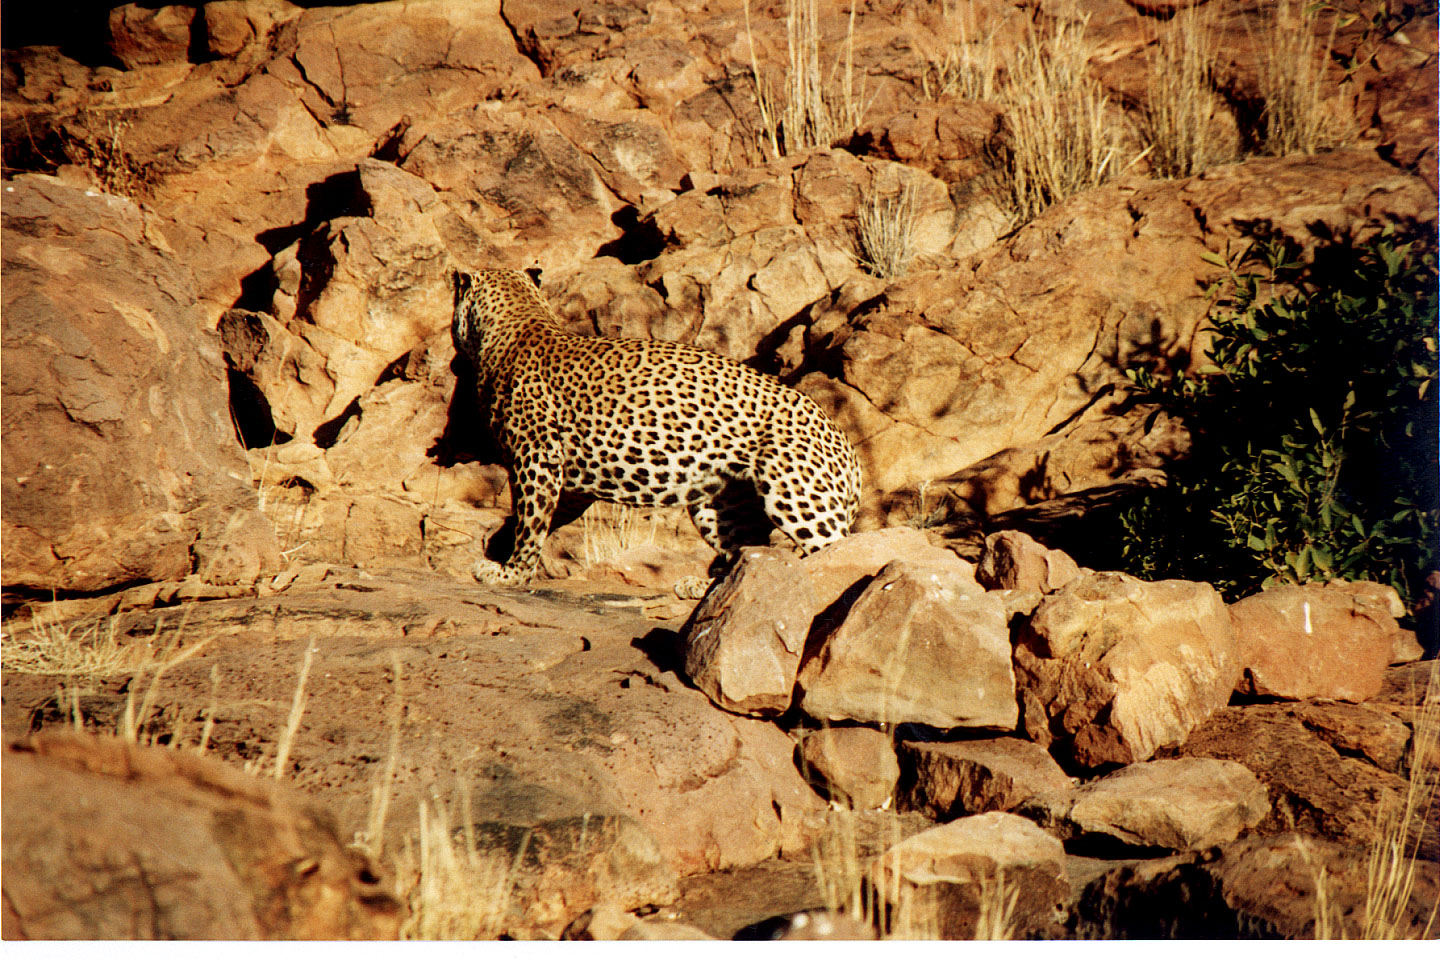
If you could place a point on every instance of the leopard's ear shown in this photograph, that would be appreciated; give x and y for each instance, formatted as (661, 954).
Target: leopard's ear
(534, 274)
(460, 281)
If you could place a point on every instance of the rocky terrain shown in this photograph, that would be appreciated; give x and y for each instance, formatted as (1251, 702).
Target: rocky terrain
(250, 689)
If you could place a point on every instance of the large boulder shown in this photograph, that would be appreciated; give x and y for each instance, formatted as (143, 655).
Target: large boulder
(744, 641)
(1111, 668)
(920, 645)
(949, 780)
(971, 867)
(109, 841)
(1187, 804)
(121, 462)
(1316, 640)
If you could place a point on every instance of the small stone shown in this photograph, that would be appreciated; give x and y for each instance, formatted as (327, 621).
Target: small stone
(948, 780)
(856, 764)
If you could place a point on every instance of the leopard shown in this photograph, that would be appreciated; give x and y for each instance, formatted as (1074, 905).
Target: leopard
(644, 423)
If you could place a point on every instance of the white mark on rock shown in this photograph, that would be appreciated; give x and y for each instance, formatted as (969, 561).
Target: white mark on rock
(1308, 627)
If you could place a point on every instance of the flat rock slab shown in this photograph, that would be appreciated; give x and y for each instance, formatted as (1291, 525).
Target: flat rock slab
(1313, 786)
(555, 722)
(1187, 804)
(966, 866)
(949, 780)
(1256, 887)
(106, 840)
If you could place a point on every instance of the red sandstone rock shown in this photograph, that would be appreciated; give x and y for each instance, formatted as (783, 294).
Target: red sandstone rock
(1111, 668)
(1316, 640)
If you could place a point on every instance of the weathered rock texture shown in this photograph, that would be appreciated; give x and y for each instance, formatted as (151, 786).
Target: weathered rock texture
(856, 765)
(109, 841)
(743, 643)
(1255, 888)
(1317, 640)
(949, 780)
(1016, 561)
(1313, 786)
(920, 645)
(121, 462)
(1111, 668)
(1188, 804)
(961, 863)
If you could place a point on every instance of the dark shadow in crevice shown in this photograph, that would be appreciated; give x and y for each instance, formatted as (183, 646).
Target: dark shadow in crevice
(250, 410)
(639, 242)
(329, 432)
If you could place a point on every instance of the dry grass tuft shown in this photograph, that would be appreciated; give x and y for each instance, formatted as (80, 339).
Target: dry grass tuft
(886, 228)
(1179, 122)
(1390, 874)
(454, 890)
(1400, 824)
(1298, 117)
(1060, 140)
(846, 881)
(610, 529)
(968, 69)
(809, 110)
(84, 651)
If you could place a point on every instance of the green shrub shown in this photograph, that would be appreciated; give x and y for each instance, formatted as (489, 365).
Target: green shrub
(1314, 426)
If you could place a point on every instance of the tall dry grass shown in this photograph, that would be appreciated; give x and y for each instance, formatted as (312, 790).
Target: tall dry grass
(1180, 121)
(1060, 139)
(1298, 115)
(454, 889)
(1395, 853)
(813, 107)
(969, 67)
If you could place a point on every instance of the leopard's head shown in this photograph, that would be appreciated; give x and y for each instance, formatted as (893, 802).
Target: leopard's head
(488, 302)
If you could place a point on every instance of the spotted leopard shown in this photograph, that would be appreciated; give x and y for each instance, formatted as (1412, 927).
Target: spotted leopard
(645, 423)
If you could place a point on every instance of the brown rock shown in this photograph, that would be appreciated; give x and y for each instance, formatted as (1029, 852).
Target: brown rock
(105, 840)
(1111, 668)
(839, 568)
(920, 645)
(1014, 560)
(140, 36)
(119, 452)
(1355, 731)
(999, 360)
(1315, 640)
(743, 643)
(962, 863)
(1313, 787)
(857, 765)
(1256, 887)
(233, 25)
(949, 780)
(1187, 804)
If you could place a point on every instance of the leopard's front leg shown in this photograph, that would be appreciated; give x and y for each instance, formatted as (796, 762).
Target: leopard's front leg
(535, 489)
